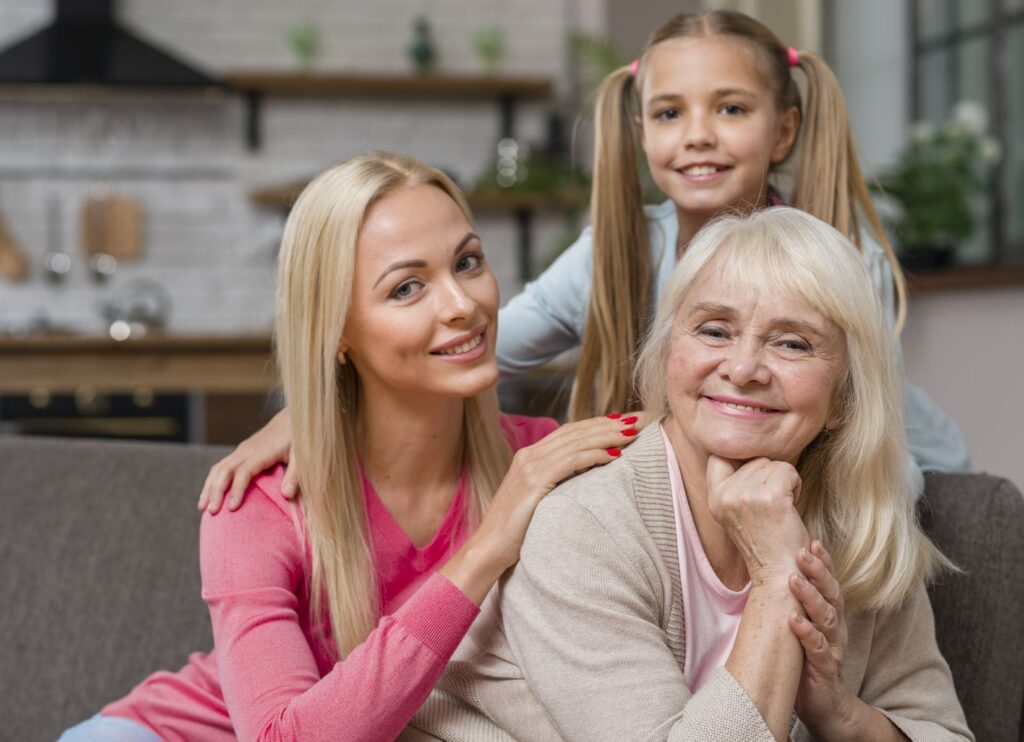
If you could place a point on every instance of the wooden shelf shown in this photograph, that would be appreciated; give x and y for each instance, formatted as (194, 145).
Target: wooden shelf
(974, 277)
(282, 198)
(505, 90)
(297, 84)
(161, 363)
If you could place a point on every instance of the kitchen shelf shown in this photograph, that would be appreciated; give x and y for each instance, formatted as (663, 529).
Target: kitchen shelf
(282, 198)
(506, 90)
(161, 363)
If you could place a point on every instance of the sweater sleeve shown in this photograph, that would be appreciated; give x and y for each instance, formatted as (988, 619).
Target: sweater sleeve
(907, 678)
(253, 575)
(581, 616)
(547, 318)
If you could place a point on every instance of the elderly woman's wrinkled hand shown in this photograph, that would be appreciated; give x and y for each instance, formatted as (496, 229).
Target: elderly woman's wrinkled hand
(755, 503)
(822, 700)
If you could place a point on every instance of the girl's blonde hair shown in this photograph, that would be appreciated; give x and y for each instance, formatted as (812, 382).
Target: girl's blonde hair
(855, 496)
(828, 184)
(313, 296)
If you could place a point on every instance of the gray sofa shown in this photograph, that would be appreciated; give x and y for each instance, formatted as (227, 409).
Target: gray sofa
(98, 545)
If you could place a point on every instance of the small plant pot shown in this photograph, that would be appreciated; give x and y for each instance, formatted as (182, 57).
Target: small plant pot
(926, 258)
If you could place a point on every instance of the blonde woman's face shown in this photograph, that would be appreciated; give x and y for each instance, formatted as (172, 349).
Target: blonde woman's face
(424, 305)
(710, 126)
(751, 375)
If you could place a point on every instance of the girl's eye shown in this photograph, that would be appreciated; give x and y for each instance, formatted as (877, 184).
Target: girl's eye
(406, 289)
(733, 109)
(469, 262)
(667, 114)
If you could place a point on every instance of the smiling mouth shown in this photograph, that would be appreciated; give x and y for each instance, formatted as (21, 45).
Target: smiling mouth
(463, 348)
(698, 171)
(743, 407)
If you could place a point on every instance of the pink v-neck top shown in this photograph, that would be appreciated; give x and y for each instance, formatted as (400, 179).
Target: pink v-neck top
(712, 611)
(269, 676)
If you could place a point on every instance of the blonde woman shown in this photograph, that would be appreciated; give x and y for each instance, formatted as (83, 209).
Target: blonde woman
(714, 104)
(333, 617)
(749, 569)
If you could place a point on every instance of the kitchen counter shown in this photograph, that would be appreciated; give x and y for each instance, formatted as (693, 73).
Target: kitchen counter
(233, 364)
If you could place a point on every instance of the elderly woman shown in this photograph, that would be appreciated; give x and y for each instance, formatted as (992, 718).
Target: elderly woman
(751, 567)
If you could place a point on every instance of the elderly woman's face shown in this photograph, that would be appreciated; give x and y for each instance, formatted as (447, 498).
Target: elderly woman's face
(752, 375)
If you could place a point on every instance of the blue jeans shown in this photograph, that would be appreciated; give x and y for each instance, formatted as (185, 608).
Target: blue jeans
(109, 729)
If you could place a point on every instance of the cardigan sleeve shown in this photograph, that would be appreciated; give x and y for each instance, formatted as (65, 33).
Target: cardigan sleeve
(581, 615)
(907, 678)
(252, 572)
(547, 317)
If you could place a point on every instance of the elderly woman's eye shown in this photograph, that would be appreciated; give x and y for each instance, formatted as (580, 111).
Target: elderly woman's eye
(713, 331)
(795, 344)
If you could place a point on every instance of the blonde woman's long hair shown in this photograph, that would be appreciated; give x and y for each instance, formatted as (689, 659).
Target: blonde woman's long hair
(828, 184)
(314, 288)
(855, 496)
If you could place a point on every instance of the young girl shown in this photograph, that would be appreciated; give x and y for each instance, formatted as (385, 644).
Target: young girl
(333, 619)
(714, 104)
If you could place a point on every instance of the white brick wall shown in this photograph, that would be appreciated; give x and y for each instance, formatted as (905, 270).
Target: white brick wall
(184, 158)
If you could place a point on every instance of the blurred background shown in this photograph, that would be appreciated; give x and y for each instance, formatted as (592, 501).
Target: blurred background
(149, 152)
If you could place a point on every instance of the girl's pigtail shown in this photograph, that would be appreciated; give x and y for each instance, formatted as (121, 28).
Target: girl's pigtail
(618, 313)
(828, 156)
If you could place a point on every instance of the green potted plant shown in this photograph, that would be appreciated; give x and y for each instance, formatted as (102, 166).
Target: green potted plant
(934, 184)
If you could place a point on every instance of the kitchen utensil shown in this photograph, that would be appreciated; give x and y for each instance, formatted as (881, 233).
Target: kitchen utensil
(56, 262)
(13, 265)
(112, 225)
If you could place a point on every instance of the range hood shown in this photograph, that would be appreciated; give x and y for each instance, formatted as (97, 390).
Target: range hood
(86, 46)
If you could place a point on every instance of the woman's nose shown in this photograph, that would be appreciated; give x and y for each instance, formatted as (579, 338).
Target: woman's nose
(744, 364)
(456, 303)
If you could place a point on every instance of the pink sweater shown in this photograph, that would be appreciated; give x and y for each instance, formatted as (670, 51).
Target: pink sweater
(268, 670)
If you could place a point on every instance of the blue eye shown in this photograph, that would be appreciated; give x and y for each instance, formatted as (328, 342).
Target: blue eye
(469, 262)
(405, 289)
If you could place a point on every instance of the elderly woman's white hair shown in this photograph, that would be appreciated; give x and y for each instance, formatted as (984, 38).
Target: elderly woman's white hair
(854, 496)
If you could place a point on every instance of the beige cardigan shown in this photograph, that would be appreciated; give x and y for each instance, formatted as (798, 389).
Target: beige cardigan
(584, 639)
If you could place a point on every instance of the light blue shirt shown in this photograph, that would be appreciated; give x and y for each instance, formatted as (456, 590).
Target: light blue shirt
(547, 318)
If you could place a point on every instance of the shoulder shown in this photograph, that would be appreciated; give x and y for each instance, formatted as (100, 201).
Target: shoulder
(266, 529)
(662, 213)
(521, 430)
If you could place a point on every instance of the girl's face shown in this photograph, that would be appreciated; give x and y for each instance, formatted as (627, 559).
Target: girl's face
(423, 315)
(710, 126)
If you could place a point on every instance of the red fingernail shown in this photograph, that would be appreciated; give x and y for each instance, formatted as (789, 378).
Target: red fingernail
(629, 432)
(629, 420)
(614, 416)
(613, 452)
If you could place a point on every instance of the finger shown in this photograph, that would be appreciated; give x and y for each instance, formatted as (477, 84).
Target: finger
(823, 579)
(585, 460)
(822, 553)
(816, 646)
(785, 477)
(218, 485)
(821, 613)
(719, 470)
(239, 485)
(290, 483)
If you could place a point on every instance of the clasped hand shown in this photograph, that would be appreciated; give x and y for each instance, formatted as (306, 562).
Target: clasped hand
(756, 505)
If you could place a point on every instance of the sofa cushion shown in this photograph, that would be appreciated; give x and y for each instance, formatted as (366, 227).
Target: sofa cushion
(99, 547)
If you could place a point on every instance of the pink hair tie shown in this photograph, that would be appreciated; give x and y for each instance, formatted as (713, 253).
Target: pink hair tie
(793, 56)
(634, 66)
